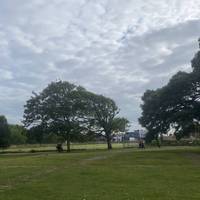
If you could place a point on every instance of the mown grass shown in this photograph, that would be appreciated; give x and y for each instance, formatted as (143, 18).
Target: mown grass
(52, 147)
(121, 174)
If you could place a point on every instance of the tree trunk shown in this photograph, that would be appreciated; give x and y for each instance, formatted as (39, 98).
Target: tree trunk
(108, 138)
(68, 143)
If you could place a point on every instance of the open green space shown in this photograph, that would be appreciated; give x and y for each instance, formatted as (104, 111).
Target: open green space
(168, 173)
(52, 147)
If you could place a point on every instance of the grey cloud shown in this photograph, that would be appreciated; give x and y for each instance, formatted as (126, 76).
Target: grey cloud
(112, 47)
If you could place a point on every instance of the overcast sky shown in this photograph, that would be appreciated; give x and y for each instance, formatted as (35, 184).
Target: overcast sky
(118, 48)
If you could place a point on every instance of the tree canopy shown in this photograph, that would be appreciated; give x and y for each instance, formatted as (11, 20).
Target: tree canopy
(57, 108)
(175, 106)
(102, 112)
(72, 112)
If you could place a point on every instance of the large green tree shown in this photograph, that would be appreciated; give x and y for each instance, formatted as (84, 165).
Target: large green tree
(102, 112)
(73, 113)
(175, 106)
(4, 132)
(58, 109)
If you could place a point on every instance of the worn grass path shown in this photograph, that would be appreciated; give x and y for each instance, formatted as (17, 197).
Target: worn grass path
(164, 174)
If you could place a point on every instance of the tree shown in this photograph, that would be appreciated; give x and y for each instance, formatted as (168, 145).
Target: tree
(58, 109)
(175, 106)
(72, 112)
(4, 133)
(102, 112)
(151, 115)
(169, 107)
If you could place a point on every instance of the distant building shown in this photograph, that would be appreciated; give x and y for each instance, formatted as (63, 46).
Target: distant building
(129, 136)
(118, 137)
(134, 136)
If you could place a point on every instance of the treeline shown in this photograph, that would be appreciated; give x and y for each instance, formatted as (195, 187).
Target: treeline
(14, 134)
(174, 107)
(64, 112)
(11, 134)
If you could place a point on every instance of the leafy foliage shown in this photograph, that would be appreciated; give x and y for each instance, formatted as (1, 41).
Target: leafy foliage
(101, 113)
(175, 106)
(56, 109)
(72, 113)
(18, 134)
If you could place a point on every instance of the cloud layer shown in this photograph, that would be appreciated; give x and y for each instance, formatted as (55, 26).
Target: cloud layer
(112, 47)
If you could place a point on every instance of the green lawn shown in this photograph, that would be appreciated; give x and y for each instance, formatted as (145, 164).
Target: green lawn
(52, 147)
(121, 174)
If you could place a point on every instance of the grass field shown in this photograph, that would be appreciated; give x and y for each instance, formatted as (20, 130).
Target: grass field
(52, 147)
(121, 174)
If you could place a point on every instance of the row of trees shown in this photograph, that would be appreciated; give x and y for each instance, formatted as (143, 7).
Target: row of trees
(64, 112)
(11, 134)
(15, 134)
(71, 112)
(174, 107)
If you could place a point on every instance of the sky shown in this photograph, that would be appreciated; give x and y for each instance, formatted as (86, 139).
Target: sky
(118, 48)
